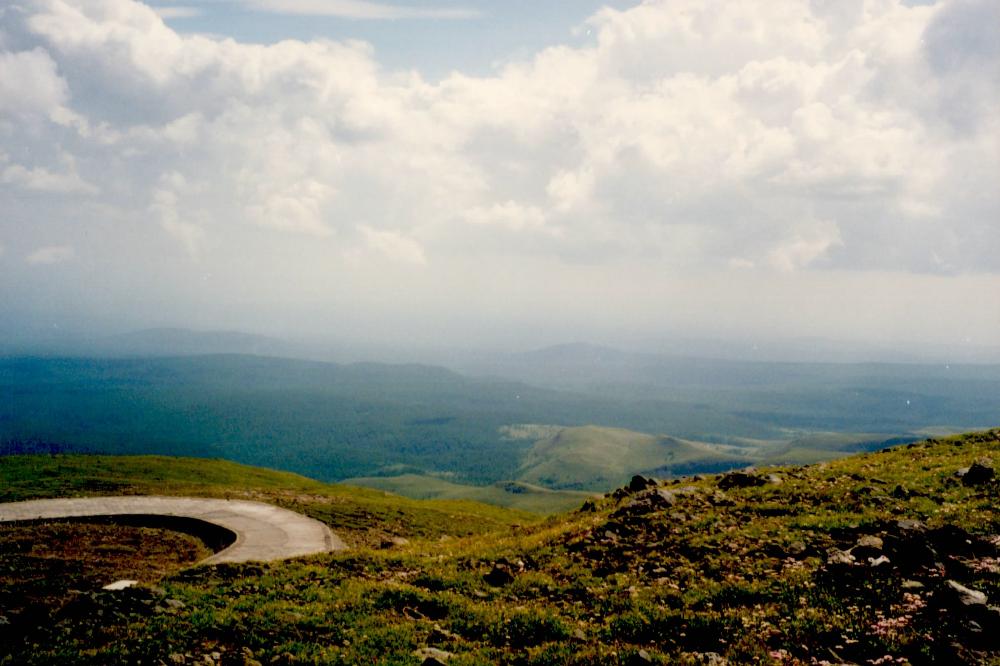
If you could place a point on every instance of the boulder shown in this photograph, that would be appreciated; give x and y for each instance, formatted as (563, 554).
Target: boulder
(640, 483)
(977, 475)
(955, 595)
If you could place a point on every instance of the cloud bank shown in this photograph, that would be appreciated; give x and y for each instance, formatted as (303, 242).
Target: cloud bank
(790, 147)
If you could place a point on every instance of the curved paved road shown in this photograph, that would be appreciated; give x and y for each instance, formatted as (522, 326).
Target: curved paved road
(263, 531)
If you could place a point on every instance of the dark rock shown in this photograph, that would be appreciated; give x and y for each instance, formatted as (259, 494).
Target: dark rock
(499, 575)
(978, 475)
(741, 480)
(440, 635)
(620, 493)
(640, 483)
(588, 507)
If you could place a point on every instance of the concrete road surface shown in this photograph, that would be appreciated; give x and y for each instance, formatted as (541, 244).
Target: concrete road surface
(263, 531)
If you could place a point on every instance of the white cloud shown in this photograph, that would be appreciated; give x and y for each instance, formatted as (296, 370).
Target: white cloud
(783, 137)
(394, 245)
(509, 214)
(164, 206)
(360, 9)
(30, 83)
(177, 12)
(42, 180)
(51, 254)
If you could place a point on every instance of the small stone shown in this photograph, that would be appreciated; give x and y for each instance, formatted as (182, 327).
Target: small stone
(176, 658)
(797, 549)
(639, 658)
(175, 604)
(432, 656)
(393, 541)
(869, 541)
(911, 585)
(911, 526)
(839, 557)
(120, 585)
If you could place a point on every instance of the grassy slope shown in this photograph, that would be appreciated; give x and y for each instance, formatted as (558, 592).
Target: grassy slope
(516, 495)
(361, 516)
(593, 457)
(743, 573)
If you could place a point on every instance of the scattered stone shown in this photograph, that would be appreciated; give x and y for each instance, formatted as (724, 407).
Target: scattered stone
(395, 542)
(175, 604)
(176, 658)
(588, 507)
(774, 479)
(120, 585)
(911, 585)
(977, 475)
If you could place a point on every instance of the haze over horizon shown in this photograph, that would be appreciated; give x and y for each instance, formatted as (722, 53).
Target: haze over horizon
(457, 173)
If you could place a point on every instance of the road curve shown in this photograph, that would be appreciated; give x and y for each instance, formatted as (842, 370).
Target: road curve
(263, 531)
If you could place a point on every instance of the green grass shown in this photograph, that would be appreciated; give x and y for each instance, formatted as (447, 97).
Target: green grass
(513, 494)
(742, 573)
(597, 458)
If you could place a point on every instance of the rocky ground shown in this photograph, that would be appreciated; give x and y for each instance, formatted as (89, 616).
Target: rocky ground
(886, 558)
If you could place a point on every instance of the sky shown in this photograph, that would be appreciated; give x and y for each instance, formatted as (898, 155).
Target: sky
(503, 174)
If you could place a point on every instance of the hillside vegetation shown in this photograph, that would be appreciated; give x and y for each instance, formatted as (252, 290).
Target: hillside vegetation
(881, 558)
(333, 422)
